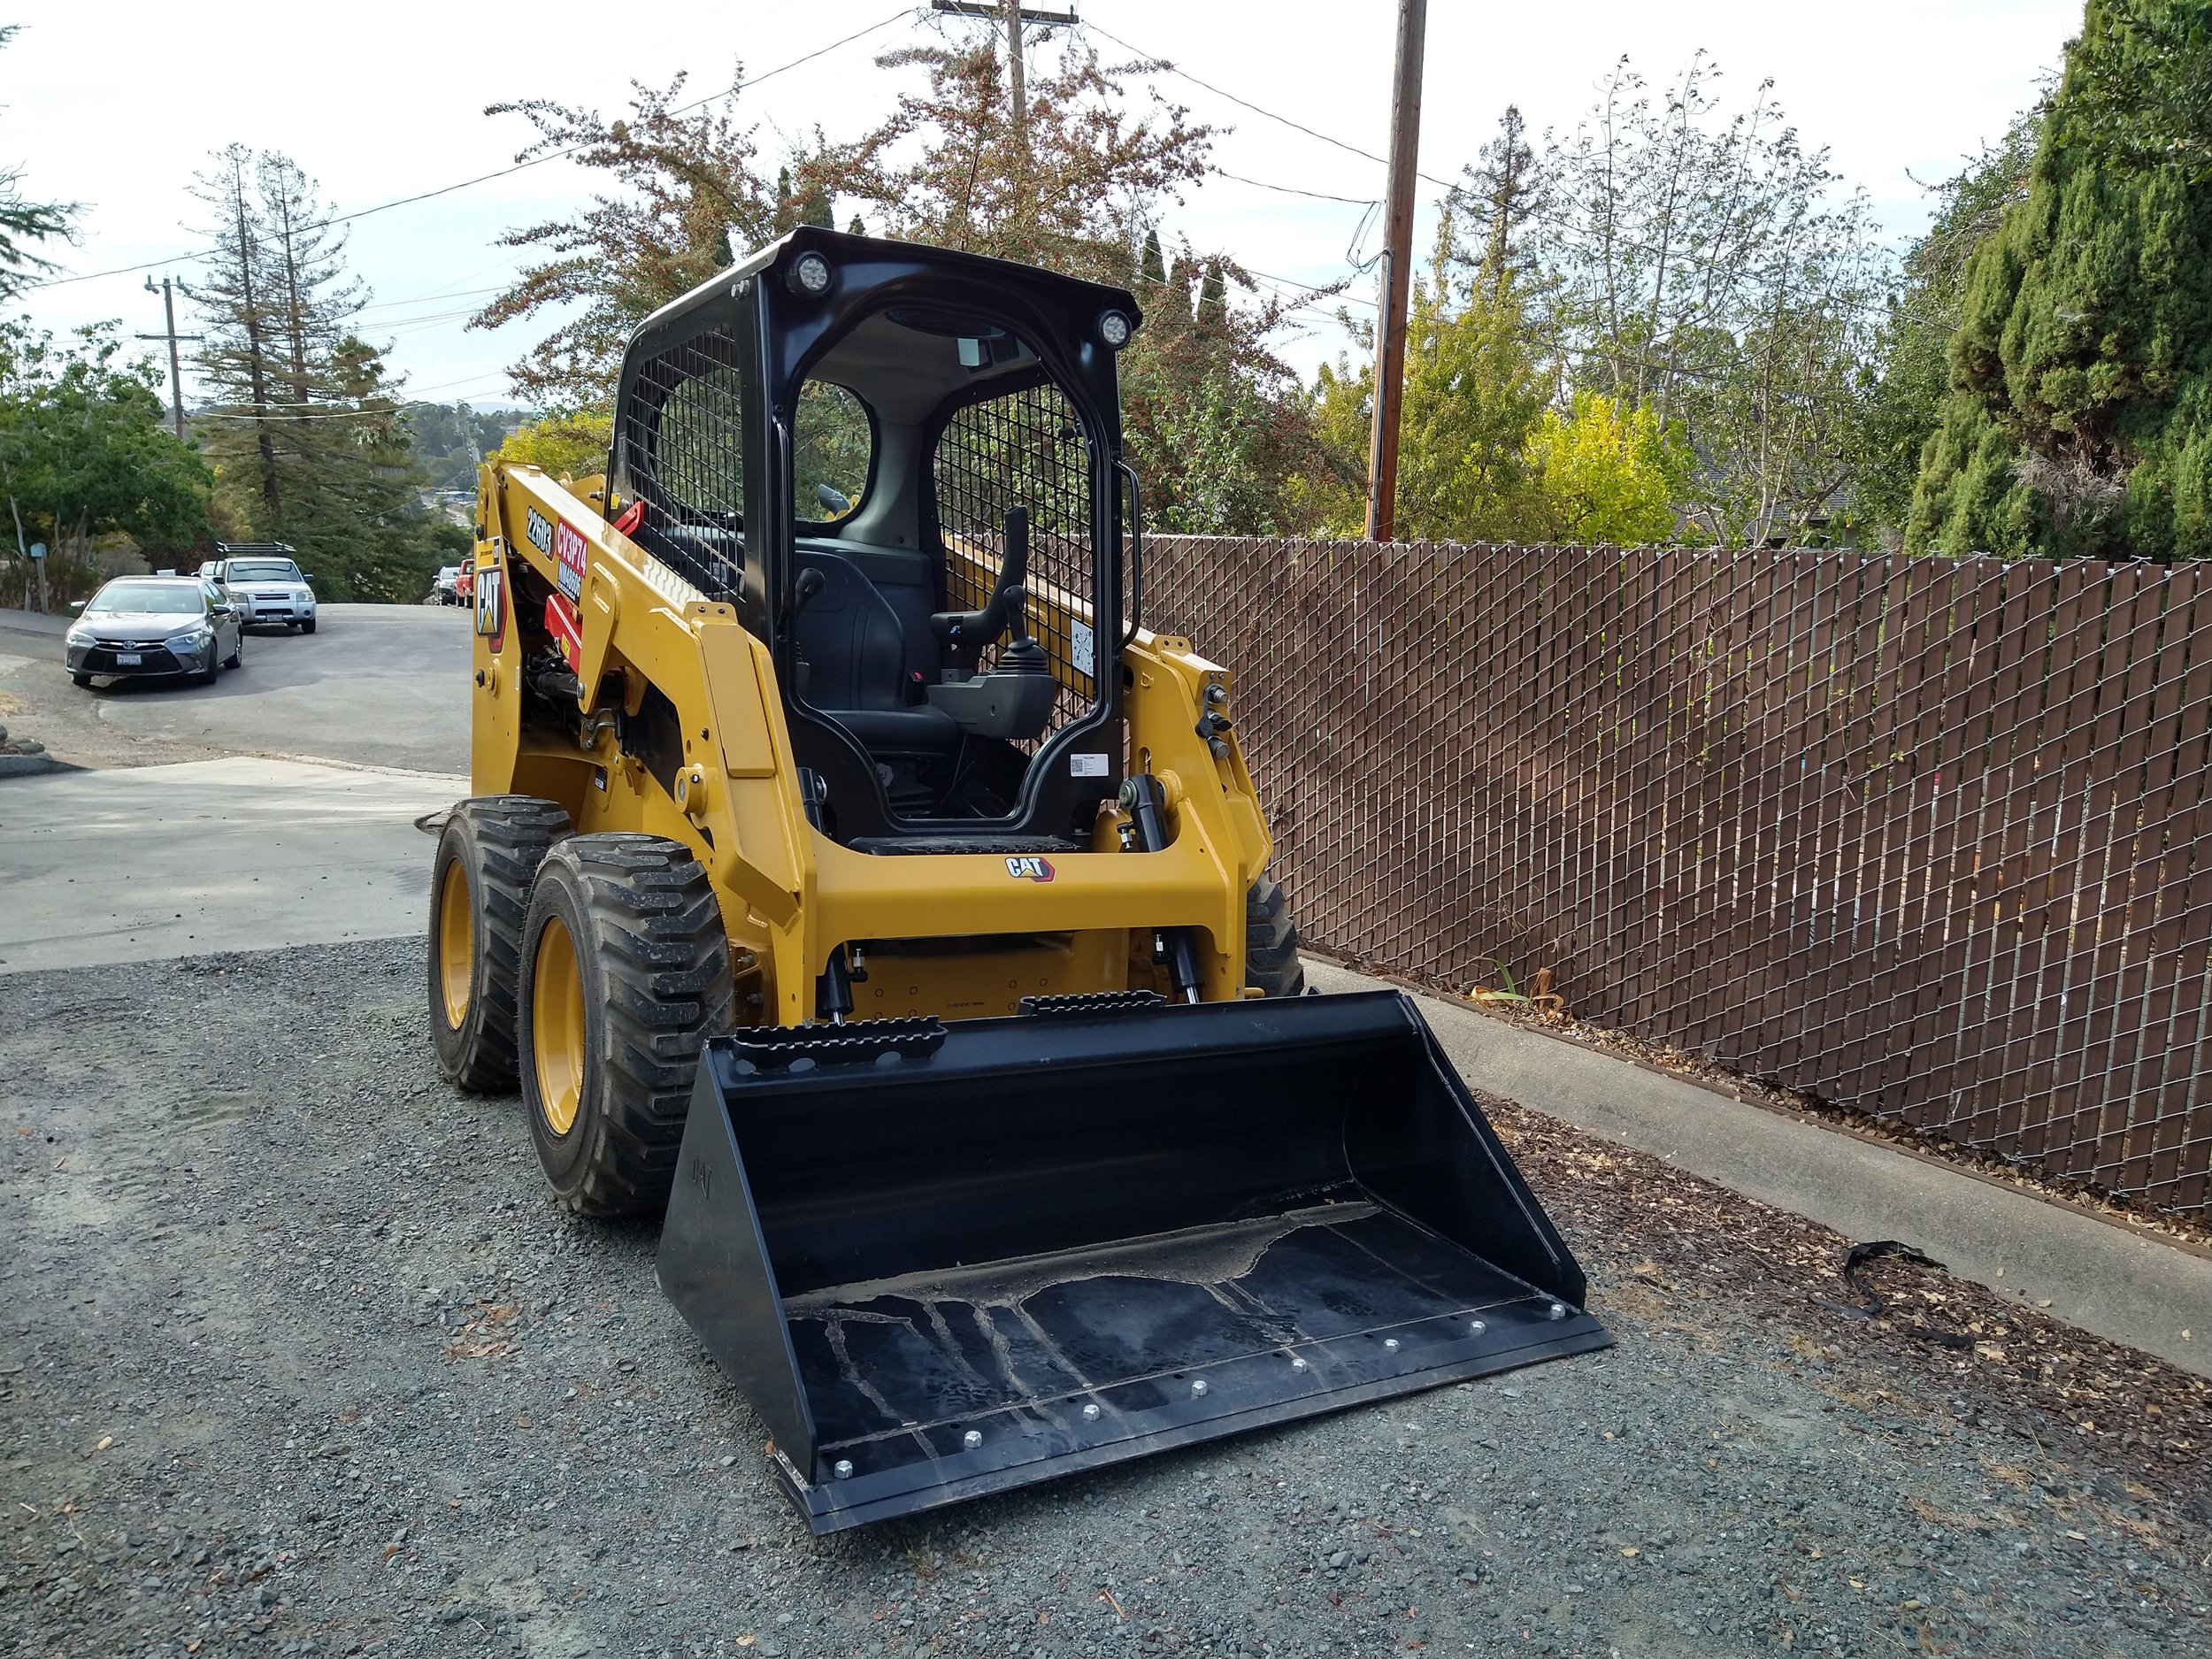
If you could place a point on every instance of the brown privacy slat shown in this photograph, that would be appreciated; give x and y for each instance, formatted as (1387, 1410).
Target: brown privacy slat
(1997, 759)
(2077, 871)
(2068, 712)
(1934, 957)
(1703, 788)
(1912, 760)
(2101, 1116)
(2182, 931)
(2155, 878)
(1815, 809)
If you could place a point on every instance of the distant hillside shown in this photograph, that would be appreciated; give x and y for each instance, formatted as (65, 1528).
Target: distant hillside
(450, 439)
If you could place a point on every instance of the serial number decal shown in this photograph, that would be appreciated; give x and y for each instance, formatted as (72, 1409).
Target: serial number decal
(1029, 867)
(1087, 765)
(568, 552)
(539, 528)
(561, 623)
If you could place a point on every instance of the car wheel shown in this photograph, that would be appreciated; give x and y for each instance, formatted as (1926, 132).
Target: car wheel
(238, 652)
(308, 627)
(80, 679)
(206, 676)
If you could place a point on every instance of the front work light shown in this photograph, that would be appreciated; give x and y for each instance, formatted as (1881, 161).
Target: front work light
(1114, 329)
(810, 274)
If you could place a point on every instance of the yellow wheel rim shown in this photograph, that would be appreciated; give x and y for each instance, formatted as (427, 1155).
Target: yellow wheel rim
(457, 943)
(556, 1026)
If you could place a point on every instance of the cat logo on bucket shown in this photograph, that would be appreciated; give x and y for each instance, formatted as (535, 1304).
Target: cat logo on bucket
(1029, 867)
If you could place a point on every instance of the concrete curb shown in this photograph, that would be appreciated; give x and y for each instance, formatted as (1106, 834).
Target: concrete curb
(2108, 1280)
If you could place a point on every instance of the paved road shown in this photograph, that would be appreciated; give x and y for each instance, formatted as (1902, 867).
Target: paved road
(137, 863)
(374, 685)
(191, 831)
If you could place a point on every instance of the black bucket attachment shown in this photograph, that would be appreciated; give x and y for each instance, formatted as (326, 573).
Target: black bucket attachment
(942, 1260)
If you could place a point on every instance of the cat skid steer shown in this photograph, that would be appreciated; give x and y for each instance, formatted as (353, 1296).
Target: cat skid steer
(853, 878)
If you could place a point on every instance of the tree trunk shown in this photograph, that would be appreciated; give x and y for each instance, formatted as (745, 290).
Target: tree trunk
(255, 356)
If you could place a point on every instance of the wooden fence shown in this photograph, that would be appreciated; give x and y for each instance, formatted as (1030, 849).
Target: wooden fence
(1927, 838)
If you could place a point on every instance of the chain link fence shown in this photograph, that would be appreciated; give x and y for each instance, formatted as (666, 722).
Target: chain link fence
(1927, 838)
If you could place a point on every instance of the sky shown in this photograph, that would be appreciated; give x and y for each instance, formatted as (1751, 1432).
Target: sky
(115, 104)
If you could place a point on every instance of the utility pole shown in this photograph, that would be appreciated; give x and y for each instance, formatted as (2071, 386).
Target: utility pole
(1397, 271)
(1017, 76)
(176, 379)
(1013, 15)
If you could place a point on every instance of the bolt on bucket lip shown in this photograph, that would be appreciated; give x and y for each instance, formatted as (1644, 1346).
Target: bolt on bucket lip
(950, 1261)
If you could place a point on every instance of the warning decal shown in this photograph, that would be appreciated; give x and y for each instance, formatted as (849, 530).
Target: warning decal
(561, 623)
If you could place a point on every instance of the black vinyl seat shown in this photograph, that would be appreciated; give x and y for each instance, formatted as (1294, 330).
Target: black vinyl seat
(858, 664)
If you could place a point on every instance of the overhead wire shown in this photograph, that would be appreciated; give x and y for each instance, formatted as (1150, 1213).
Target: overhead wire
(483, 178)
(1223, 92)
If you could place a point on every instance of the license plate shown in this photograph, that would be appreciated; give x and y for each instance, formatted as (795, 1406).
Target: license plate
(127, 659)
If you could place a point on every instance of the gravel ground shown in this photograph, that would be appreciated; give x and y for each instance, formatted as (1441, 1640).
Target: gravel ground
(296, 1357)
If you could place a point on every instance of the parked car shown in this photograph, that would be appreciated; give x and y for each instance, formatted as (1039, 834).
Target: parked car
(268, 586)
(156, 625)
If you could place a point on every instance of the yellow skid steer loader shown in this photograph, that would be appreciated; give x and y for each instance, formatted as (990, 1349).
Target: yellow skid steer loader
(855, 878)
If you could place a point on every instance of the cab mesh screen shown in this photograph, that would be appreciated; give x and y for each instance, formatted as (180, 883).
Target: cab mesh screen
(1025, 448)
(683, 436)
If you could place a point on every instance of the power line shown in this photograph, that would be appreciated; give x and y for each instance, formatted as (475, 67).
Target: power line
(484, 177)
(1288, 189)
(1220, 92)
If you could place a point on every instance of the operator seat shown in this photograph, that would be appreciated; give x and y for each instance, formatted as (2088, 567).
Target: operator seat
(857, 662)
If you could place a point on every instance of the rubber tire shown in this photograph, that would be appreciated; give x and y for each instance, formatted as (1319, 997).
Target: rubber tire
(655, 965)
(80, 679)
(308, 627)
(1271, 942)
(207, 676)
(498, 840)
(238, 656)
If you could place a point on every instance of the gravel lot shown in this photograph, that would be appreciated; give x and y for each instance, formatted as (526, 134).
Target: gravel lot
(296, 1357)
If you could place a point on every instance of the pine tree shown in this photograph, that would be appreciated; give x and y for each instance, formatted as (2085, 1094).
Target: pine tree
(2080, 417)
(308, 443)
(1500, 193)
(238, 328)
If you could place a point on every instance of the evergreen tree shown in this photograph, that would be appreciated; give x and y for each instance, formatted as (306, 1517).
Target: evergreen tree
(2080, 418)
(1473, 391)
(1151, 265)
(1501, 193)
(2145, 100)
(1911, 368)
(308, 441)
(237, 351)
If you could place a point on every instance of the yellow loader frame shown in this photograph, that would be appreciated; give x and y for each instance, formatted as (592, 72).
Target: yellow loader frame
(791, 895)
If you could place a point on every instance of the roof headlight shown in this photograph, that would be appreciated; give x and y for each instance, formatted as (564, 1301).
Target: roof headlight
(808, 275)
(1114, 328)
